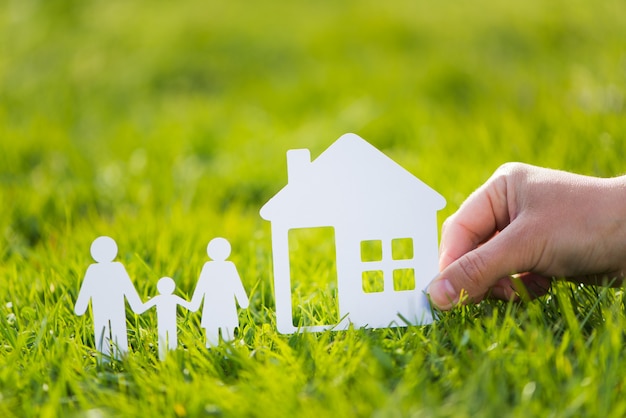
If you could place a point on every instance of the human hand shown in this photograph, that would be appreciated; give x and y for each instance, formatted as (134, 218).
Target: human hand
(534, 223)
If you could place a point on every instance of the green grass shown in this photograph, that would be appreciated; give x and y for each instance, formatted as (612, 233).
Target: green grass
(165, 124)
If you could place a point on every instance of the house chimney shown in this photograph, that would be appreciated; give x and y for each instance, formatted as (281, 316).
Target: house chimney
(298, 161)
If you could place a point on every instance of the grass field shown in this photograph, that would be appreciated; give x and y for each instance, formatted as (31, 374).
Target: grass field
(165, 124)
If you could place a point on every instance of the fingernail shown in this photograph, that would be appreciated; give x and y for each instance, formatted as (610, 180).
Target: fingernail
(442, 293)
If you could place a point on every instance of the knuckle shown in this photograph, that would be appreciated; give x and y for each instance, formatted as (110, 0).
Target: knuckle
(511, 168)
(473, 267)
(446, 224)
(512, 171)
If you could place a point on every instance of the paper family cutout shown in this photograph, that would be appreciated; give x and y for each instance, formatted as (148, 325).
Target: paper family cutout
(382, 219)
(107, 285)
(219, 285)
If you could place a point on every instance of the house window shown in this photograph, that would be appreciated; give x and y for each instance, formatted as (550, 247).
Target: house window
(403, 279)
(402, 249)
(387, 265)
(371, 250)
(373, 281)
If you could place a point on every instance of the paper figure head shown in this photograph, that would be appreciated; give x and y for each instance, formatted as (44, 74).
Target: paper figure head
(103, 249)
(218, 249)
(166, 286)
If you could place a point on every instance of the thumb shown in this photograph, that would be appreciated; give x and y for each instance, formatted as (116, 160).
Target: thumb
(475, 272)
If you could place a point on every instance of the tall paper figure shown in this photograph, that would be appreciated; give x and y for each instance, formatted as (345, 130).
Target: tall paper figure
(166, 303)
(106, 284)
(219, 285)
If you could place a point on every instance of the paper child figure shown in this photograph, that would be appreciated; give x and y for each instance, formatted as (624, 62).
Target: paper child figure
(166, 304)
(106, 283)
(219, 285)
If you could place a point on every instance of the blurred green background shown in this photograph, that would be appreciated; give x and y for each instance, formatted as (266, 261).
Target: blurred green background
(109, 107)
(164, 124)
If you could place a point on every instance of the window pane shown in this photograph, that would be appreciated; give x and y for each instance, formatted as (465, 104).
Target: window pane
(373, 281)
(403, 279)
(402, 249)
(372, 250)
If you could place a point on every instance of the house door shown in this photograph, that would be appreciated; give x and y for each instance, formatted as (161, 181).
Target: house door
(313, 274)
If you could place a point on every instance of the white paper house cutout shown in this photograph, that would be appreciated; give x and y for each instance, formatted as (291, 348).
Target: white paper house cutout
(367, 199)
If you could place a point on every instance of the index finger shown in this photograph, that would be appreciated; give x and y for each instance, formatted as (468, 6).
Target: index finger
(483, 214)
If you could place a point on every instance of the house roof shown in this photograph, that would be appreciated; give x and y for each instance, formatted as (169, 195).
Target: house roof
(351, 175)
